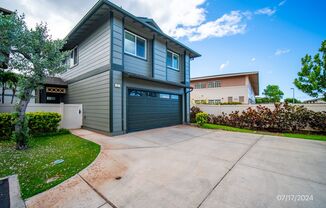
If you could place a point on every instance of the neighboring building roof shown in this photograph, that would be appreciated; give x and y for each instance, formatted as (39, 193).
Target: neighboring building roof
(5, 11)
(102, 8)
(253, 77)
(55, 81)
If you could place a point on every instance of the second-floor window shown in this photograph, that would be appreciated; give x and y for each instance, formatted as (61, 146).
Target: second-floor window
(200, 85)
(214, 84)
(172, 60)
(135, 45)
(73, 57)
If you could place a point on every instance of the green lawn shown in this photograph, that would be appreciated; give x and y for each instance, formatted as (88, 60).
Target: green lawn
(34, 166)
(290, 135)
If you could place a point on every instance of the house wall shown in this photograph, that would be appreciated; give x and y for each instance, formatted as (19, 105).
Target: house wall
(94, 53)
(153, 67)
(93, 93)
(98, 77)
(230, 87)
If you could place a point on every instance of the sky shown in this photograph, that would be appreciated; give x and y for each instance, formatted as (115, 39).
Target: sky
(269, 36)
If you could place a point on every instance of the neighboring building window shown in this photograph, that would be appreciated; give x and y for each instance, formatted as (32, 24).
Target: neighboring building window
(172, 60)
(135, 45)
(214, 84)
(230, 99)
(241, 99)
(74, 57)
(214, 102)
(200, 85)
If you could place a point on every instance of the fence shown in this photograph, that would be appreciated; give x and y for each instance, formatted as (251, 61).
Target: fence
(72, 114)
(219, 109)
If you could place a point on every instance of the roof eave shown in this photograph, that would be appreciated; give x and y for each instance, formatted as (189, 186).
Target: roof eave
(193, 54)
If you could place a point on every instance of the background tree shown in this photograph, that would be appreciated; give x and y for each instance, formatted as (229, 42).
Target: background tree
(8, 80)
(290, 100)
(35, 56)
(273, 93)
(312, 77)
(260, 100)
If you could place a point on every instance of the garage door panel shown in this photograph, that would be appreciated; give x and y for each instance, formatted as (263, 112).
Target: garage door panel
(146, 110)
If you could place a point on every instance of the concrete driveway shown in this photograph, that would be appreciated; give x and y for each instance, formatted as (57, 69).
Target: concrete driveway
(184, 166)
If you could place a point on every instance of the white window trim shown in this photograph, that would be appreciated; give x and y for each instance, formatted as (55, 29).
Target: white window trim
(171, 67)
(73, 52)
(136, 36)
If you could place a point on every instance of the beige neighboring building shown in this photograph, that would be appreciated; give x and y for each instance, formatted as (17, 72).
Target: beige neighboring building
(235, 87)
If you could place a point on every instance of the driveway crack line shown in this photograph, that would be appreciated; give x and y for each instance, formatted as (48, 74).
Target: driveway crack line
(215, 186)
(96, 191)
(282, 174)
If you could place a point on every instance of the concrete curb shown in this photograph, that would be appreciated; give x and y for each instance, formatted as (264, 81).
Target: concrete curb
(14, 192)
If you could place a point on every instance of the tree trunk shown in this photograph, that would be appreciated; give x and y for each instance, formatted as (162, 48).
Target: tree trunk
(13, 94)
(21, 128)
(3, 93)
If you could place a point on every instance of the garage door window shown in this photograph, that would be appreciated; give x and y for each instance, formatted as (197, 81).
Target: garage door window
(139, 93)
(174, 97)
(164, 96)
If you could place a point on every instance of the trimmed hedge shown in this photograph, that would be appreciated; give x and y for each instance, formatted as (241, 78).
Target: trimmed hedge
(201, 118)
(284, 118)
(38, 123)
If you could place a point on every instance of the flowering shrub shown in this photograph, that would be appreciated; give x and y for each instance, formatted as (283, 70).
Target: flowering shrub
(283, 118)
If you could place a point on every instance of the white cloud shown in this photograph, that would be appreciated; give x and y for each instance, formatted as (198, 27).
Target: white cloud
(266, 11)
(228, 24)
(282, 3)
(224, 65)
(253, 59)
(279, 52)
(175, 17)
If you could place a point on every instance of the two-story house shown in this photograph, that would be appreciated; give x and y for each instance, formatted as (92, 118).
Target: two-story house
(225, 88)
(126, 72)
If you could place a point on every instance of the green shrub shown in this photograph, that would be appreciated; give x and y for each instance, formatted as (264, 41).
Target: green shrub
(6, 126)
(38, 123)
(43, 122)
(231, 103)
(193, 112)
(201, 118)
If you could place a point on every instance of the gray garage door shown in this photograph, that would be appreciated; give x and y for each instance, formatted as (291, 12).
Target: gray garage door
(147, 110)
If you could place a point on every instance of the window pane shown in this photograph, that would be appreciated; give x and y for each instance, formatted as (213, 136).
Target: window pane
(75, 56)
(169, 59)
(165, 96)
(175, 97)
(130, 45)
(141, 47)
(175, 61)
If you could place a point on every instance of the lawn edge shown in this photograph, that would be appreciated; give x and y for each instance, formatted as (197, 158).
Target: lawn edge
(249, 131)
(77, 174)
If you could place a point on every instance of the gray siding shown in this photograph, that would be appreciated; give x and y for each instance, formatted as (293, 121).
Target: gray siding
(117, 50)
(159, 60)
(187, 67)
(187, 82)
(94, 52)
(173, 75)
(93, 93)
(138, 65)
(117, 101)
